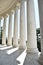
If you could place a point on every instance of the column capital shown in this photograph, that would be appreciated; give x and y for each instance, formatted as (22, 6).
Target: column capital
(18, 5)
(5, 16)
(1, 17)
(22, 0)
(11, 12)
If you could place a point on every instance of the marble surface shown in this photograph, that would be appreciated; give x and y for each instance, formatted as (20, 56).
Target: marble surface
(5, 59)
(32, 59)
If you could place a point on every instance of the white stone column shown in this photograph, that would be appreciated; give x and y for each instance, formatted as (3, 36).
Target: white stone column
(31, 28)
(15, 38)
(10, 30)
(0, 27)
(0, 24)
(22, 25)
(41, 29)
(4, 31)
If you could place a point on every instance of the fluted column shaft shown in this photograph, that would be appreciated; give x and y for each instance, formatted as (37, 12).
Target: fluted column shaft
(22, 25)
(0, 24)
(10, 30)
(0, 27)
(4, 31)
(31, 28)
(15, 38)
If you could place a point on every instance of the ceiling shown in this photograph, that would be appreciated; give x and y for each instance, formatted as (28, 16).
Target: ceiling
(6, 5)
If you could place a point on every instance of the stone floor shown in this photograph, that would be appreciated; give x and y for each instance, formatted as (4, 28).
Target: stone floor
(5, 59)
(31, 59)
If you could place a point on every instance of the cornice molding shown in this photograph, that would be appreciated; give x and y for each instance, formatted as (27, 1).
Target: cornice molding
(10, 6)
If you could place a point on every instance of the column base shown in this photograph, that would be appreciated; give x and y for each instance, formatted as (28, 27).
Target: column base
(32, 50)
(15, 46)
(3, 43)
(9, 44)
(41, 59)
(22, 47)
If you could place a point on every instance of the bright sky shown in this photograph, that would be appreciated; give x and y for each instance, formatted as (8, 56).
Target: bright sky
(36, 17)
(36, 13)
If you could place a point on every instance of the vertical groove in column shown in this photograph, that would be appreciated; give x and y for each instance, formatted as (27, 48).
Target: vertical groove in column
(15, 38)
(31, 28)
(4, 32)
(0, 27)
(10, 30)
(0, 24)
(22, 25)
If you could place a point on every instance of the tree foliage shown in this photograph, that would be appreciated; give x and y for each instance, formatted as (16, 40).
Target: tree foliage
(38, 39)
